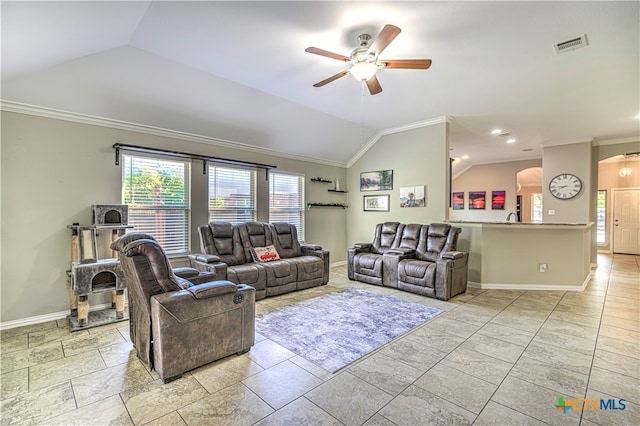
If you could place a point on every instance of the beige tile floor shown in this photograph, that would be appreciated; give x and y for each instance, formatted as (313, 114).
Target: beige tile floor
(491, 358)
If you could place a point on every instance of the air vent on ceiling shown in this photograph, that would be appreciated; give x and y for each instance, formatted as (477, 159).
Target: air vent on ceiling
(573, 44)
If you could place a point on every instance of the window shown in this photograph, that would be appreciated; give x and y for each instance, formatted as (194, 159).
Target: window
(536, 208)
(157, 193)
(232, 194)
(286, 200)
(601, 232)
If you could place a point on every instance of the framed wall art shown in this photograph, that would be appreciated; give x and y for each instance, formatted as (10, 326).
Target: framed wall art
(376, 181)
(412, 196)
(458, 200)
(477, 200)
(375, 203)
(497, 200)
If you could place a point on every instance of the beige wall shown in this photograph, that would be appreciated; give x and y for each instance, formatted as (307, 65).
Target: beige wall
(54, 170)
(417, 157)
(488, 178)
(576, 159)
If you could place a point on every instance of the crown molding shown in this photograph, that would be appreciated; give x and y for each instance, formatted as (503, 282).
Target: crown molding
(616, 141)
(418, 124)
(22, 108)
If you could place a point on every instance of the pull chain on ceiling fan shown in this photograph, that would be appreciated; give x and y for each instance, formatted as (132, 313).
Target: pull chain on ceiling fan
(365, 60)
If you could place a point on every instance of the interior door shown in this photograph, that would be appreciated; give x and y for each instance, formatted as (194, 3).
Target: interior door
(626, 221)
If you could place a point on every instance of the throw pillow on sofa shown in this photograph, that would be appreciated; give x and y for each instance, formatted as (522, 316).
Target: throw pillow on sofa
(264, 254)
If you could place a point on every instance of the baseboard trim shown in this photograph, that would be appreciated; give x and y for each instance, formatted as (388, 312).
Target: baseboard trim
(530, 286)
(341, 263)
(47, 317)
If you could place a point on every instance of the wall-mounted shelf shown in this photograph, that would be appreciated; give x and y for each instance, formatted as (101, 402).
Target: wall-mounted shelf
(320, 180)
(341, 205)
(337, 190)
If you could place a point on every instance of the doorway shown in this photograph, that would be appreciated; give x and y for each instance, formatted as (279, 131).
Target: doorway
(626, 221)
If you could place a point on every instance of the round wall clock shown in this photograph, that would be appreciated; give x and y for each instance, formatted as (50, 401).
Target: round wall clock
(565, 186)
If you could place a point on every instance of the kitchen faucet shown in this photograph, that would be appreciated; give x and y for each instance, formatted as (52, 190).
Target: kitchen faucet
(515, 216)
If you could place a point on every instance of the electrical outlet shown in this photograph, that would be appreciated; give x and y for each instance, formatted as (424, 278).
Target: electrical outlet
(542, 267)
(552, 212)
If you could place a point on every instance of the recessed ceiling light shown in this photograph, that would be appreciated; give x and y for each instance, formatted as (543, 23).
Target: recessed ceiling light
(511, 140)
(496, 131)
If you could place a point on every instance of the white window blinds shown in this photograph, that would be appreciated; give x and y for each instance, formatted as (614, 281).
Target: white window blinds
(157, 193)
(286, 200)
(232, 194)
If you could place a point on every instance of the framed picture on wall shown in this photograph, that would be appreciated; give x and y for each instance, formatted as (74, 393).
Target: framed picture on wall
(412, 196)
(376, 181)
(497, 200)
(458, 200)
(375, 203)
(477, 200)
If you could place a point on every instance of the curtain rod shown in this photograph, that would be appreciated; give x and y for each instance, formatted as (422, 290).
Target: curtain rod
(204, 158)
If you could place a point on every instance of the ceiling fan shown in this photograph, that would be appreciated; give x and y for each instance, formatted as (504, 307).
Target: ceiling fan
(365, 60)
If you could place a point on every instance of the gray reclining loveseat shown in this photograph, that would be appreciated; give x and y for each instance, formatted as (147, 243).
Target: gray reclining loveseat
(229, 251)
(417, 258)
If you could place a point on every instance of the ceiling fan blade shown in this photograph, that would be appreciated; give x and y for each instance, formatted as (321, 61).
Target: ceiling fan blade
(374, 85)
(418, 64)
(326, 53)
(330, 79)
(386, 36)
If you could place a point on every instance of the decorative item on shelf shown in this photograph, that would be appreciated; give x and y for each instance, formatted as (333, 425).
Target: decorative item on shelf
(341, 205)
(337, 185)
(320, 179)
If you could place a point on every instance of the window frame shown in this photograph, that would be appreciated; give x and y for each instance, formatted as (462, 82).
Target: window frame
(183, 239)
(300, 209)
(602, 223)
(212, 170)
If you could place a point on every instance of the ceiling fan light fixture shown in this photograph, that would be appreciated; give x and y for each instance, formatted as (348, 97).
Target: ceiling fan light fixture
(363, 71)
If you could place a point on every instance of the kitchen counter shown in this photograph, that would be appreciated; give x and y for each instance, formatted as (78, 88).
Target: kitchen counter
(527, 256)
(536, 225)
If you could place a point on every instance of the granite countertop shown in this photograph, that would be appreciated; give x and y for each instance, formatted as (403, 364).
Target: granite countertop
(533, 224)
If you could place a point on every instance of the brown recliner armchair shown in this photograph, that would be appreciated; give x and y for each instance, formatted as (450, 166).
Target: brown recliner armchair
(179, 324)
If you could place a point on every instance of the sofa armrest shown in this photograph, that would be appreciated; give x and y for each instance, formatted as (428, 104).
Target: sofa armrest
(188, 332)
(362, 247)
(307, 246)
(186, 273)
(217, 268)
(212, 289)
(314, 250)
(453, 255)
(207, 258)
(451, 276)
(404, 253)
(390, 262)
(205, 277)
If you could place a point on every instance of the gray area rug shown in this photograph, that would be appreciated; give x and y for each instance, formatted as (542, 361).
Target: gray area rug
(334, 330)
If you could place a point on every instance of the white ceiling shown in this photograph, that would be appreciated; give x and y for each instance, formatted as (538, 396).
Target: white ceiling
(238, 71)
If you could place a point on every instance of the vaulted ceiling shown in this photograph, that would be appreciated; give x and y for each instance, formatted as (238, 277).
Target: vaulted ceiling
(237, 71)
